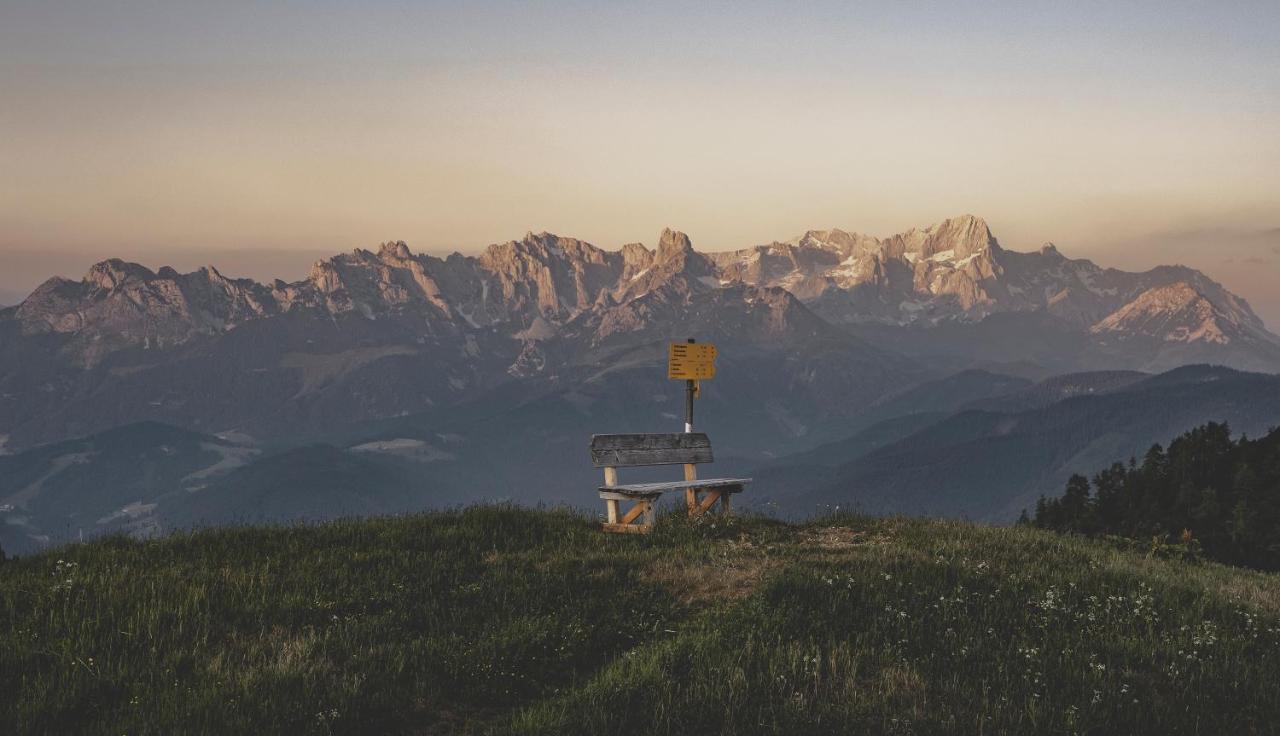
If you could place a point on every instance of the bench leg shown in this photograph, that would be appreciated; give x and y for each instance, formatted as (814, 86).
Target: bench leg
(699, 506)
(644, 510)
(641, 507)
(706, 503)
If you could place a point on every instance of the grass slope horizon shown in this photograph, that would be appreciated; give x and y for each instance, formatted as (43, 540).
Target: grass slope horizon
(505, 620)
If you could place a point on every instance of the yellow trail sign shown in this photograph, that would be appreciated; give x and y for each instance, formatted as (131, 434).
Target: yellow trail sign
(691, 361)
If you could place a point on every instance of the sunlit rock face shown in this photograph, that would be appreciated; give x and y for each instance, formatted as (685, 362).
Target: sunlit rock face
(954, 270)
(957, 270)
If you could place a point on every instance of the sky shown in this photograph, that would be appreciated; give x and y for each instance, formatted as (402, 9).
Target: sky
(261, 137)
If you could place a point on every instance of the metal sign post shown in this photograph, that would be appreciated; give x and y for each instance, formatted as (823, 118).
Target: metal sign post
(689, 388)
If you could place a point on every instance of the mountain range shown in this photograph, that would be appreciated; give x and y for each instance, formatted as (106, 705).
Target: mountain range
(528, 289)
(507, 360)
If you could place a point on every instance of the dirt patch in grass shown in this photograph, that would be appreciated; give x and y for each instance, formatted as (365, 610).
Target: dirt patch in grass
(835, 537)
(733, 571)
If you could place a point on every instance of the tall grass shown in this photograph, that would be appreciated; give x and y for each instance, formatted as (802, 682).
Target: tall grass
(496, 619)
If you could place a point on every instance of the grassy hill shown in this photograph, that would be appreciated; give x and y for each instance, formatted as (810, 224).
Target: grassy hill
(498, 620)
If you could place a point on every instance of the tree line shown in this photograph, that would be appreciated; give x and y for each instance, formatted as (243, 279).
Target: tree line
(1207, 492)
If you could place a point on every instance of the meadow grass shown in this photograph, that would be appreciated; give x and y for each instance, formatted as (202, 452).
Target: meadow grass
(504, 620)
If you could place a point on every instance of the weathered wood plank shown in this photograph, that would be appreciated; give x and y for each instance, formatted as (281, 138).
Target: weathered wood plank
(658, 456)
(651, 440)
(611, 504)
(629, 450)
(616, 496)
(728, 484)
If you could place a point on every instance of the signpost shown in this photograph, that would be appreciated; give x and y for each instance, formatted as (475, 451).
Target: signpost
(691, 362)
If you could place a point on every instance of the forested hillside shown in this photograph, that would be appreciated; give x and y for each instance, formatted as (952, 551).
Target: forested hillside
(1206, 492)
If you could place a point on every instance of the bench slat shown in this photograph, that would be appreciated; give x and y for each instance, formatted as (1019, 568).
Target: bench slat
(629, 450)
(615, 496)
(679, 485)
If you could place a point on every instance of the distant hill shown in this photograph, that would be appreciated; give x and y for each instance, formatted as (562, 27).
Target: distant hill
(1056, 388)
(975, 444)
(992, 463)
(151, 479)
(313, 483)
(111, 482)
(508, 445)
(946, 394)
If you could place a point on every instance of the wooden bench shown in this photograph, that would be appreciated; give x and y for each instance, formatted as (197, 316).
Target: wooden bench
(613, 451)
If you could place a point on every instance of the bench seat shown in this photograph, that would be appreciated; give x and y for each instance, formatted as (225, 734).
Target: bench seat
(646, 489)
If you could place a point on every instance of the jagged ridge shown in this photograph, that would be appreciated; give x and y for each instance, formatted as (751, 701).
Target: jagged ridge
(533, 287)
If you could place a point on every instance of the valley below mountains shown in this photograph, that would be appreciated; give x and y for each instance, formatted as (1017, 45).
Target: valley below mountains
(933, 371)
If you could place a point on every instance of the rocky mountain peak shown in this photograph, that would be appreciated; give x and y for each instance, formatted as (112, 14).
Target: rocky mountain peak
(1175, 312)
(324, 275)
(674, 263)
(209, 272)
(543, 248)
(114, 273)
(635, 254)
(540, 240)
(952, 239)
(394, 249)
(672, 243)
(676, 257)
(966, 235)
(840, 241)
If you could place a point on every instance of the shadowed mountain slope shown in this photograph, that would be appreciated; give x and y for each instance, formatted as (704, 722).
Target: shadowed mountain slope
(992, 464)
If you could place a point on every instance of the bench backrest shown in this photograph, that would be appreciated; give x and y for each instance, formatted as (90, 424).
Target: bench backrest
(629, 450)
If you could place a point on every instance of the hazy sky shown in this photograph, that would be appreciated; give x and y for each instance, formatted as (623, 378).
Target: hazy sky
(1121, 131)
